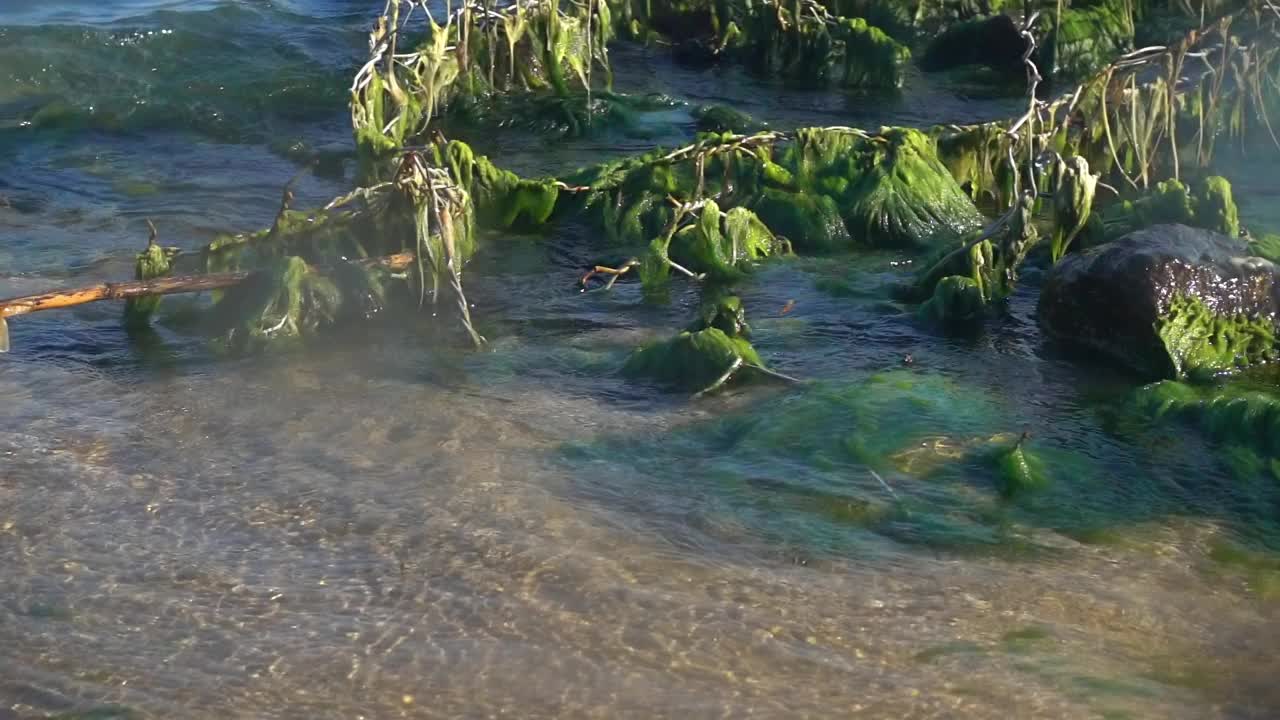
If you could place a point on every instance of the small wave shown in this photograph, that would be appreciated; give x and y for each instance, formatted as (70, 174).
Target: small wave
(233, 73)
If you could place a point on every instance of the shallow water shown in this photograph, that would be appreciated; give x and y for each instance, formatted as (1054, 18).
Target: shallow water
(381, 526)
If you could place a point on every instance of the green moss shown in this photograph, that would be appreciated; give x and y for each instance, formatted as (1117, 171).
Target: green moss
(691, 360)
(1201, 343)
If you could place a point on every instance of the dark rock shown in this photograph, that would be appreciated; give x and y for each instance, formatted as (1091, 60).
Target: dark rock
(993, 41)
(1168, 301)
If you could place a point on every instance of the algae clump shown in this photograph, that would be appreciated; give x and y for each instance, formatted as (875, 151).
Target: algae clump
(1202, 343)
(691, 360)
(151, 263)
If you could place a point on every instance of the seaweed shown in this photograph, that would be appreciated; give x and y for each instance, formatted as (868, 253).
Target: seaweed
(1201, 343)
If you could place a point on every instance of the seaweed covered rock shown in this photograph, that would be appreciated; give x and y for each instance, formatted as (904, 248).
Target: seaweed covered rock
(811, 222)
(905, 197)
(1168, 301)
(1207, 203)
(720, 243)
(1236, 413)
(957, 302)
(872, 59)
(726, 314)
(890, 189)
(994, 41)
(1088, 39)
(722, 119)
(692, 360)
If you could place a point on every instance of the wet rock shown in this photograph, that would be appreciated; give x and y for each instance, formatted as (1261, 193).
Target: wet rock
(992, 41)
(1168, 301)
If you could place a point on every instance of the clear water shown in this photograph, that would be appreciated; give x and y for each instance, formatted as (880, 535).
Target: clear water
(382, 526)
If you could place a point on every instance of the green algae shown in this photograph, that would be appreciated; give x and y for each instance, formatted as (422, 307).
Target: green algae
(1088, 38)
(1201, 343)
(541, 48)
(1208, 204)
(1267, 246)
(957, 301)
(1236, 413)
(905, 197)
(872, 59)
(955, 647)
(691, 360)
(1073, 195)
(283, 301)
(724, 313)
(890, 189)
(975, 157)
(1019, 470)
(822, 190)
(1259, 570)
(1215, 209)
(811, 222)
(151, 263)
(503, 200)
(718, 246)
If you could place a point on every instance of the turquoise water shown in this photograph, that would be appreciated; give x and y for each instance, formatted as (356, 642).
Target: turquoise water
(384, 526)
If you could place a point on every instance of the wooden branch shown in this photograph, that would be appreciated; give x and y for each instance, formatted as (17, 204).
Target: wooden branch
(64, 298)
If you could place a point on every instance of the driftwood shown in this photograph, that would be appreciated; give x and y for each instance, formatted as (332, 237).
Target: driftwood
(64, 298)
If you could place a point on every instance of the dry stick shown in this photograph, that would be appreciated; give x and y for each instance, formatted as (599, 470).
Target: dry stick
(771, 373)
(884, 484)
(70, 297)
(1175, 69)
(613, 273)
(720, 381)
(1106, 129)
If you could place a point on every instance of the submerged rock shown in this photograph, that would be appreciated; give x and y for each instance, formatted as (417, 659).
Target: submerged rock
(691, 360)
(722, 119)
(1238, 413)
(1168, 301)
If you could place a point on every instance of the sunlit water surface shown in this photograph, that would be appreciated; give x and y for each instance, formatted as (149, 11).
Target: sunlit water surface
(381, 526)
